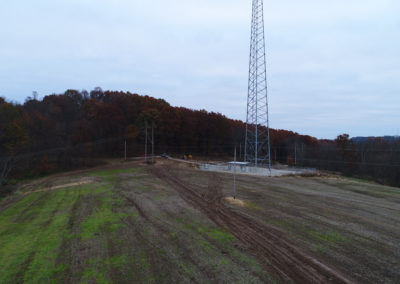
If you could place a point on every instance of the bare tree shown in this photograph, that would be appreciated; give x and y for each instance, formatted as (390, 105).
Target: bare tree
(6, 165)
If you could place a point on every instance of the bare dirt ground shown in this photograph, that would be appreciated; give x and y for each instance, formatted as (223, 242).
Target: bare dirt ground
(171, 223)
(277, 255)
(65, 185)
(352, 227)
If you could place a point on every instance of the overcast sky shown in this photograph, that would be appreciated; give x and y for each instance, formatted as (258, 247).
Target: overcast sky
(333, 66)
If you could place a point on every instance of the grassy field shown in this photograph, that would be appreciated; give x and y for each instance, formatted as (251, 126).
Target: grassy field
(125, 225)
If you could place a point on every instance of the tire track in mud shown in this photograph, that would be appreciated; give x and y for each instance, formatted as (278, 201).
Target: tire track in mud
(181, 249)
(156, 260)
(9, 202)
(276, 254)
(38, 202)
(19, 276)
(132, 201)
(73, 252)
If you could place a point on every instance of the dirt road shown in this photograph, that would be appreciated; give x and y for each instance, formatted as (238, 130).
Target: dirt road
(276, 253)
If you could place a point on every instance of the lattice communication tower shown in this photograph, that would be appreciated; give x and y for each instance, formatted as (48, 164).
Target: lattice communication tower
(257, 143)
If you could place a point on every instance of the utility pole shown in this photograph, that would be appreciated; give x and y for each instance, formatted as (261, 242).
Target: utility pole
(125, 150)
(152, 142)
(295, 154)
(145, 145)
(234, 175)
(240, 151)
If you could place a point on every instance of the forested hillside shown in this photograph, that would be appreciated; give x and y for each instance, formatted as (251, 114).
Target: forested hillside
(75, 129)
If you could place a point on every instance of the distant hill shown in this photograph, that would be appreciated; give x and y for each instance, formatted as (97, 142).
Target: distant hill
(78, 129)
(359, 139)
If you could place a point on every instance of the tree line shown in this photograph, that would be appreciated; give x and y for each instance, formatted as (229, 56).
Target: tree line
(78, 128)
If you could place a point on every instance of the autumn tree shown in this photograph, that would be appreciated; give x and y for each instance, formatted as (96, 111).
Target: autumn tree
(67, 130)
(13, 138)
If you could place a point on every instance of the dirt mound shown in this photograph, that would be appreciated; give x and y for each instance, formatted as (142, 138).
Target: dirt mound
(236, 201)
(272, 249)
(66, 185)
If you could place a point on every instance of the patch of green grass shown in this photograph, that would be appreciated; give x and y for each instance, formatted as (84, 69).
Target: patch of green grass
(142, 259)
(376, 194)
(173, 235)
(31, 234)
(249, 261)
(358, 180)
(204, 245)
(33, 229)
(331, 237)
(103, 219)
(186, 270)
(93, 275)
(189, 227)
(118, 261)
(319, 248)
(112, 175)
(220, 236)
(252, 205)
(282, 223)
(113, 262)
(307, 234)
(113, 172)
(142, 188)
(159, 197)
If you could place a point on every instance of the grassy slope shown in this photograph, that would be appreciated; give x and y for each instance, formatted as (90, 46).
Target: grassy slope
(92, 234)
(32, 231)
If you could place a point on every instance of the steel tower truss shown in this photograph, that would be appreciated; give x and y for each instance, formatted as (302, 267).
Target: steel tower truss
(257, 146)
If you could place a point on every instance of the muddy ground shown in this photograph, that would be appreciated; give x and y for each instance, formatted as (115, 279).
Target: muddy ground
(352, 227)
(169, 223)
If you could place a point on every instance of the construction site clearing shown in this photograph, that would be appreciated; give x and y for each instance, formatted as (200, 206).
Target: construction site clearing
(245, 168)
(172, 223)
(236, 167)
